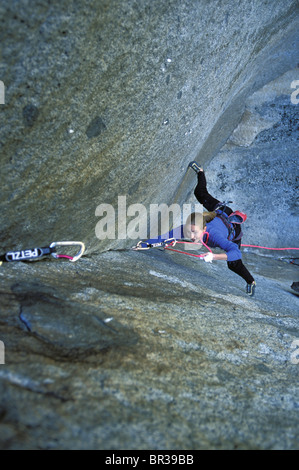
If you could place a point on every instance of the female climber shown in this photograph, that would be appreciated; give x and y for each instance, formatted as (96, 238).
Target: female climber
(214, 232)
(214, 228)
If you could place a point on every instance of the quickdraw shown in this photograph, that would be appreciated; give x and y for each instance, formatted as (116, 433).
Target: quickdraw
(164, 244)
(171, 242)
(41, 252)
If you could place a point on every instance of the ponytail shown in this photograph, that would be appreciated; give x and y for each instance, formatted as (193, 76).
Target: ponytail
(208, 217)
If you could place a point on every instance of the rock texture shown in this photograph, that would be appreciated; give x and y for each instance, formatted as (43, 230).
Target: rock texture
(258, 167)
(147, 350)
(172, 357)
(115, 98)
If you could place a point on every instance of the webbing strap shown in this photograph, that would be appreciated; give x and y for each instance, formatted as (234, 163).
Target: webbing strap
(27, 255)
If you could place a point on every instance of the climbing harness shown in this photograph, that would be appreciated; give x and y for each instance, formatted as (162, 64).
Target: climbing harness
(231, 221)
(41, 252)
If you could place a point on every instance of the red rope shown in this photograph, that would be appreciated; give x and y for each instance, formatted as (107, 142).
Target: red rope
(268, 248)
(184, 252)
(203, 254)
(190, 254)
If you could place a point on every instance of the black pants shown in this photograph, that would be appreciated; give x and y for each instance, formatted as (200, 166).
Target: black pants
(210, 203)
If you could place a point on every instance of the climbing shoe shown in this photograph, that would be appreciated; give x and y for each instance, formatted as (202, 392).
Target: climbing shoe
(195, 167)
(250, 288)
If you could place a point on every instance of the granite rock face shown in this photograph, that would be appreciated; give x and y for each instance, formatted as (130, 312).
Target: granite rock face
(258, 167)
(172, 355)
(147, 350)
(115, 98)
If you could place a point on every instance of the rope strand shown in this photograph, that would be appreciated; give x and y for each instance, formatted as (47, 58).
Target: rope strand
(269, 248)
(203, 254)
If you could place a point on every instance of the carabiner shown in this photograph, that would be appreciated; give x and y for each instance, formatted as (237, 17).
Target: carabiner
(139, 247)
(170, 242)
(71, 258)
